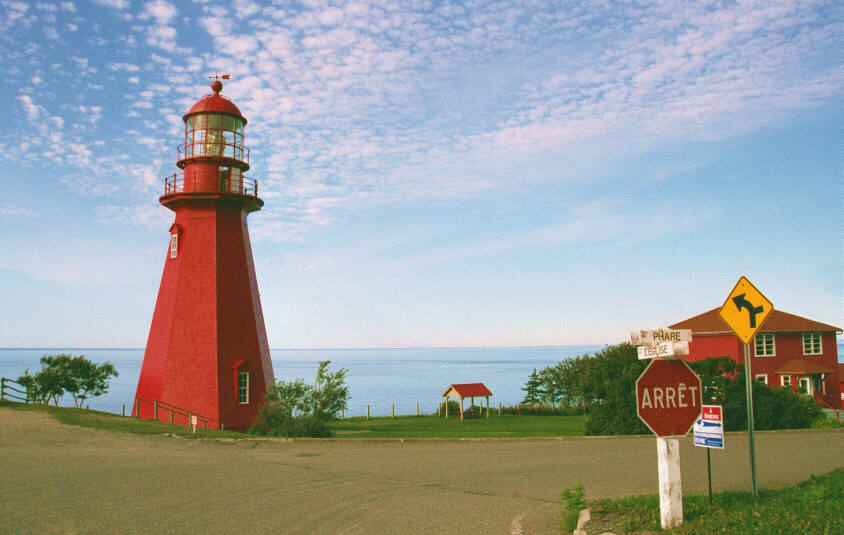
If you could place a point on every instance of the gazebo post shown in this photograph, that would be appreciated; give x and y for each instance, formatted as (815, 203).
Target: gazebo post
(487, 407)
(461, 407)
(446, 407)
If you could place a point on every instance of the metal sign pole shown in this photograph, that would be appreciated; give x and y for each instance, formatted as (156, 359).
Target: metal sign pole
(709, 474)
(749, 385)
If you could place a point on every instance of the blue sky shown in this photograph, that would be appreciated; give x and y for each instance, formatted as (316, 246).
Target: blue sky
(434, 173)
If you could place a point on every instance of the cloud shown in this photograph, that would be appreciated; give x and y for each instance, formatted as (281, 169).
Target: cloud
(116, 4)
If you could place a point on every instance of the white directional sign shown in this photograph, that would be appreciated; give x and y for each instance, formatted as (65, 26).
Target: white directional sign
(662, 349)
(657, 336)
(709, 428)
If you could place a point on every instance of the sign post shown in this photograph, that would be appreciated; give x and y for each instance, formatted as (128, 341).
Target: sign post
(668, 401)
(709, 433)
(744, 311)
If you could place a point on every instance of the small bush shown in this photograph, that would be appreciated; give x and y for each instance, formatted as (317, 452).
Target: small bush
(574, 498)
(453, 408)
(292, 427)
(542, 410)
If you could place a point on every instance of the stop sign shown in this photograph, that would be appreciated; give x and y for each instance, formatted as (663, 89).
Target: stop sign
(668, 397)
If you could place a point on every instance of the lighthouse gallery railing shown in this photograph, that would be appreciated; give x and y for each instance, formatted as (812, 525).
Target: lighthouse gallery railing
(241, 185)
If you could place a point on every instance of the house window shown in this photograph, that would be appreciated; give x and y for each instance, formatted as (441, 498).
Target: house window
(243, 388)
(174, 245)
(785, 380)
(765, 345)
(812, 344)
(762, 378)
(805, 385)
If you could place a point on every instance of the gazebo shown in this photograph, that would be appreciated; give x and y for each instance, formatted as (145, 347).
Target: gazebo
(467, 390)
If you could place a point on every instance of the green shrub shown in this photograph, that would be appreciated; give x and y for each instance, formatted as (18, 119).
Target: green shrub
(574, 499)
(296, 409)
(541, 410)
(453, 408)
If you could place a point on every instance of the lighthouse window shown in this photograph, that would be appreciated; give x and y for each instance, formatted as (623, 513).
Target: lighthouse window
(228, 123)
(214, 121)
(174, 245)
(243, 387)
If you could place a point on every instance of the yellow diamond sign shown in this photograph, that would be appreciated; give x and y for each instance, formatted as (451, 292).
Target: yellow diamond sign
(745, 310)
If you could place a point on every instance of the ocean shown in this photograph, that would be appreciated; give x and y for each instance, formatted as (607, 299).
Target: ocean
(376, 377)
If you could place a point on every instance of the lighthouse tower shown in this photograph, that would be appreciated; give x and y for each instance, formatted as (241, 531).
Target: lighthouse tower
(207, 353)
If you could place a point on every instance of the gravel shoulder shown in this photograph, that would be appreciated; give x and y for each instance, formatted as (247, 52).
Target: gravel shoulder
(65, 479)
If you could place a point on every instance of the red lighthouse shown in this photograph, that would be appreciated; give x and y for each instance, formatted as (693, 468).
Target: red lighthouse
(207, 353)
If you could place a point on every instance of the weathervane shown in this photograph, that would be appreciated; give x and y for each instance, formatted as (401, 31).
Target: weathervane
(217, 85)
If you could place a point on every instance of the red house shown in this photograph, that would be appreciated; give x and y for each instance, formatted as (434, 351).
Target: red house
(788, 350)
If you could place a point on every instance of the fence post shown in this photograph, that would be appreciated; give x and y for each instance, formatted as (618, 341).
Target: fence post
(342, 414)
(171, 416)
(137, 407)
(499, 408)
(2, 387)
(155, 409)
(394, 410)
(367, 412)
(222, 426)
(124, 410)
(417, 408)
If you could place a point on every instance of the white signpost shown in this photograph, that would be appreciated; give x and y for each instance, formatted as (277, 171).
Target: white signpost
(678, 405)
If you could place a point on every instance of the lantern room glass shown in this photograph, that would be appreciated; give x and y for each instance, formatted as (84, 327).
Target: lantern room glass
(214, 134)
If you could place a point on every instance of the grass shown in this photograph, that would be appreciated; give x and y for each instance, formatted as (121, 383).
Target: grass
(815, 506)
(438, 427)
(360, 427)
(115, 422)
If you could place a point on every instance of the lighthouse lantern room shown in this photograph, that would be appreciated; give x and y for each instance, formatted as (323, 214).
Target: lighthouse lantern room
(207, 355)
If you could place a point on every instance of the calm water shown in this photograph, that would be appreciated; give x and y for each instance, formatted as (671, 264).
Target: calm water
(377, 377)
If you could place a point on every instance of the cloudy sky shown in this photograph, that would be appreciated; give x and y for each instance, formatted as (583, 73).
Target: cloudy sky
(435, 173)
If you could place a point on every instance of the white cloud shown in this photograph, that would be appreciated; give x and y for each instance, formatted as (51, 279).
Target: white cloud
(162, 11)
(117, 4)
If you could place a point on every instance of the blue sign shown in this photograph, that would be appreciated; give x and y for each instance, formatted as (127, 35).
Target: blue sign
(709, 428)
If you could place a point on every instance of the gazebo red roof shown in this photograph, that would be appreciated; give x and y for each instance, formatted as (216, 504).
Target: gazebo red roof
(777, 321)
(801, 367)
(468, 390)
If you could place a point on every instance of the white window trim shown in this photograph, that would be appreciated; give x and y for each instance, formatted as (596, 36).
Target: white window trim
(174, 245)
(785, 380)
(773, 352)
(239, 375)
(762, 378)
(820, 343)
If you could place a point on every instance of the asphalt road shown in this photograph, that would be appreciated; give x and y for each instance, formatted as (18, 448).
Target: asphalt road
(63, 479)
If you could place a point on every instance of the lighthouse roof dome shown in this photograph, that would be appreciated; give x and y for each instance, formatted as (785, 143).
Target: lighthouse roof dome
(215, 103)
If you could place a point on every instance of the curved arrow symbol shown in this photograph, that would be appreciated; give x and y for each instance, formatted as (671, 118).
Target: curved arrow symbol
(741, 302)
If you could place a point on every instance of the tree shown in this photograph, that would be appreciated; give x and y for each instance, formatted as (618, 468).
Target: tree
(296, 409)
(330, 394)
(65, 373)
(533, 389)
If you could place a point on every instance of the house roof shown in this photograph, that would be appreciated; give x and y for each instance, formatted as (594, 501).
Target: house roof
(801, 367)
(468, 390)
(777, 321)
